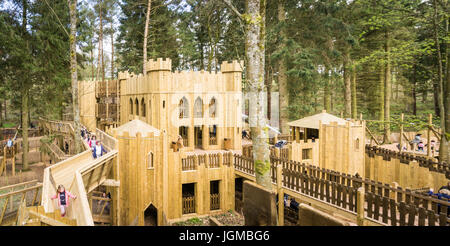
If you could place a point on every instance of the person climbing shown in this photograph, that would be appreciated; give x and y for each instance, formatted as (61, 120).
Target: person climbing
(98, 150)
(63, 199)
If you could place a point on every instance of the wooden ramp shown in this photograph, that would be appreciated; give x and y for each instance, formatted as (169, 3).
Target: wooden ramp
(79, 174)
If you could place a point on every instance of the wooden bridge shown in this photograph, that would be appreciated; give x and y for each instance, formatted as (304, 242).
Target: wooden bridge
(80, 174)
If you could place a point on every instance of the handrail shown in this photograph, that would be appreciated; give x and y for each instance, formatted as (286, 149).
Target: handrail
(108, 141)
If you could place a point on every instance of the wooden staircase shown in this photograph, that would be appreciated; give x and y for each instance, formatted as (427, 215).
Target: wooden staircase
(36, 216)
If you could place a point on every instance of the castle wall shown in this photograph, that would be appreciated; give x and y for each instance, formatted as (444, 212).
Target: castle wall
(161, 91)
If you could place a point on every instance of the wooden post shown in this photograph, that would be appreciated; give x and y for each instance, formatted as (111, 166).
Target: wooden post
(13, 168)
(360, 206)
(401, 132)
(430, 124)
(280, 195)
(392, 194)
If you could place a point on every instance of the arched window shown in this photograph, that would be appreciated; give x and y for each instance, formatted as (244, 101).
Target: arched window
(137, 106)
(212, 108)
(131, 106)
(357, 144)
(183, 108)
(198, 108)
(143, 107)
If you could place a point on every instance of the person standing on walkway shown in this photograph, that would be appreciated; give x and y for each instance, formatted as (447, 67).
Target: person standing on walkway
(63, 199)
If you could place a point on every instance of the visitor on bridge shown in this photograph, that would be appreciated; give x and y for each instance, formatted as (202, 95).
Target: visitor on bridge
(98, 150)
(63, 199)
(92, 142)
(420, 146)
(10, 143)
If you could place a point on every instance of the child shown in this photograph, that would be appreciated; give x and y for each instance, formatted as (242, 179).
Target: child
(420, 146)
(63, 199)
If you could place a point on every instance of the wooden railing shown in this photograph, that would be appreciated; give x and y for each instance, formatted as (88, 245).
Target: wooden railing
(188, 204)
(383, 203)
(108, 142)
(405, 158)
(212, 141)
(214, 161)
(188, 163)
(15, 195)
(215, 201)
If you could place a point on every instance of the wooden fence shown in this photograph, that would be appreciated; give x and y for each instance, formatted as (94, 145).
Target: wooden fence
(188, 163)
(405, 158)
(188, 204)
(14, 195)
(215, 201)
(383, 203)
(212, 141)
(214, 160)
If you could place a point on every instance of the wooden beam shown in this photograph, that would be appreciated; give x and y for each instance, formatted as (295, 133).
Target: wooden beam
(47, 220)
(370, 133)
(111, 183)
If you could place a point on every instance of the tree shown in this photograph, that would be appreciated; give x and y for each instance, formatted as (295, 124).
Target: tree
(147, 20)
(74, 78)
(254, 20)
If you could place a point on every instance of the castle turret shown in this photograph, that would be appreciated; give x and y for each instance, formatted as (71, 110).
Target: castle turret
(233, 74)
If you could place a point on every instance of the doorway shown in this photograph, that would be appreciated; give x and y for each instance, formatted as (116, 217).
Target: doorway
(151, 216)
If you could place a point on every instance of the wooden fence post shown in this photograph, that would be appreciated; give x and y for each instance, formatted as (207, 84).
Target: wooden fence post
(280, 195)
(360, 206)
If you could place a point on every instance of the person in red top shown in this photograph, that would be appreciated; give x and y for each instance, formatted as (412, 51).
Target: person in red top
(63, 199)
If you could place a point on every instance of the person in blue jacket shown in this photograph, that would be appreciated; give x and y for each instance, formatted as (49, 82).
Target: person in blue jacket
(98, 150)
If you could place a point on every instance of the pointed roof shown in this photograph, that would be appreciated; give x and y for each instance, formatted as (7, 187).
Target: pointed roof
(313, 121)
(135, 126)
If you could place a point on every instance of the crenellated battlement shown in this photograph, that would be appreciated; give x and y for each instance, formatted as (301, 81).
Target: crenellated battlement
(123, 75)
(159, 64)
(233, 66)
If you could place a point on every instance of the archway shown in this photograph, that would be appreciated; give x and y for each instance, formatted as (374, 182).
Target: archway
(151, 216)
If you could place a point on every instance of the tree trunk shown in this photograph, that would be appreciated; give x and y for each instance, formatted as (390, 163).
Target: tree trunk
(326, 90)
(1, 116)
(112, 51)
(354, 106)
(24, 96)
(147, 21)
(282, 77)
(348, 89)
(25, 109)
(74, 76)
(100, 40)
(254, 45)
(387, 91)
(414, 94)
(444, 145)
(381, 94)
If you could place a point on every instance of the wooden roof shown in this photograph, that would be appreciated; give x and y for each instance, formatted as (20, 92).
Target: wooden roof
(313, 121)
(135, 126)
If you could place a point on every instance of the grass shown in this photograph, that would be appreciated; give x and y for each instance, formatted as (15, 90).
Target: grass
(8, 125)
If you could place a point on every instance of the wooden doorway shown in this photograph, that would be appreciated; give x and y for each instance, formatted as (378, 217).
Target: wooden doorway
(151, 216)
